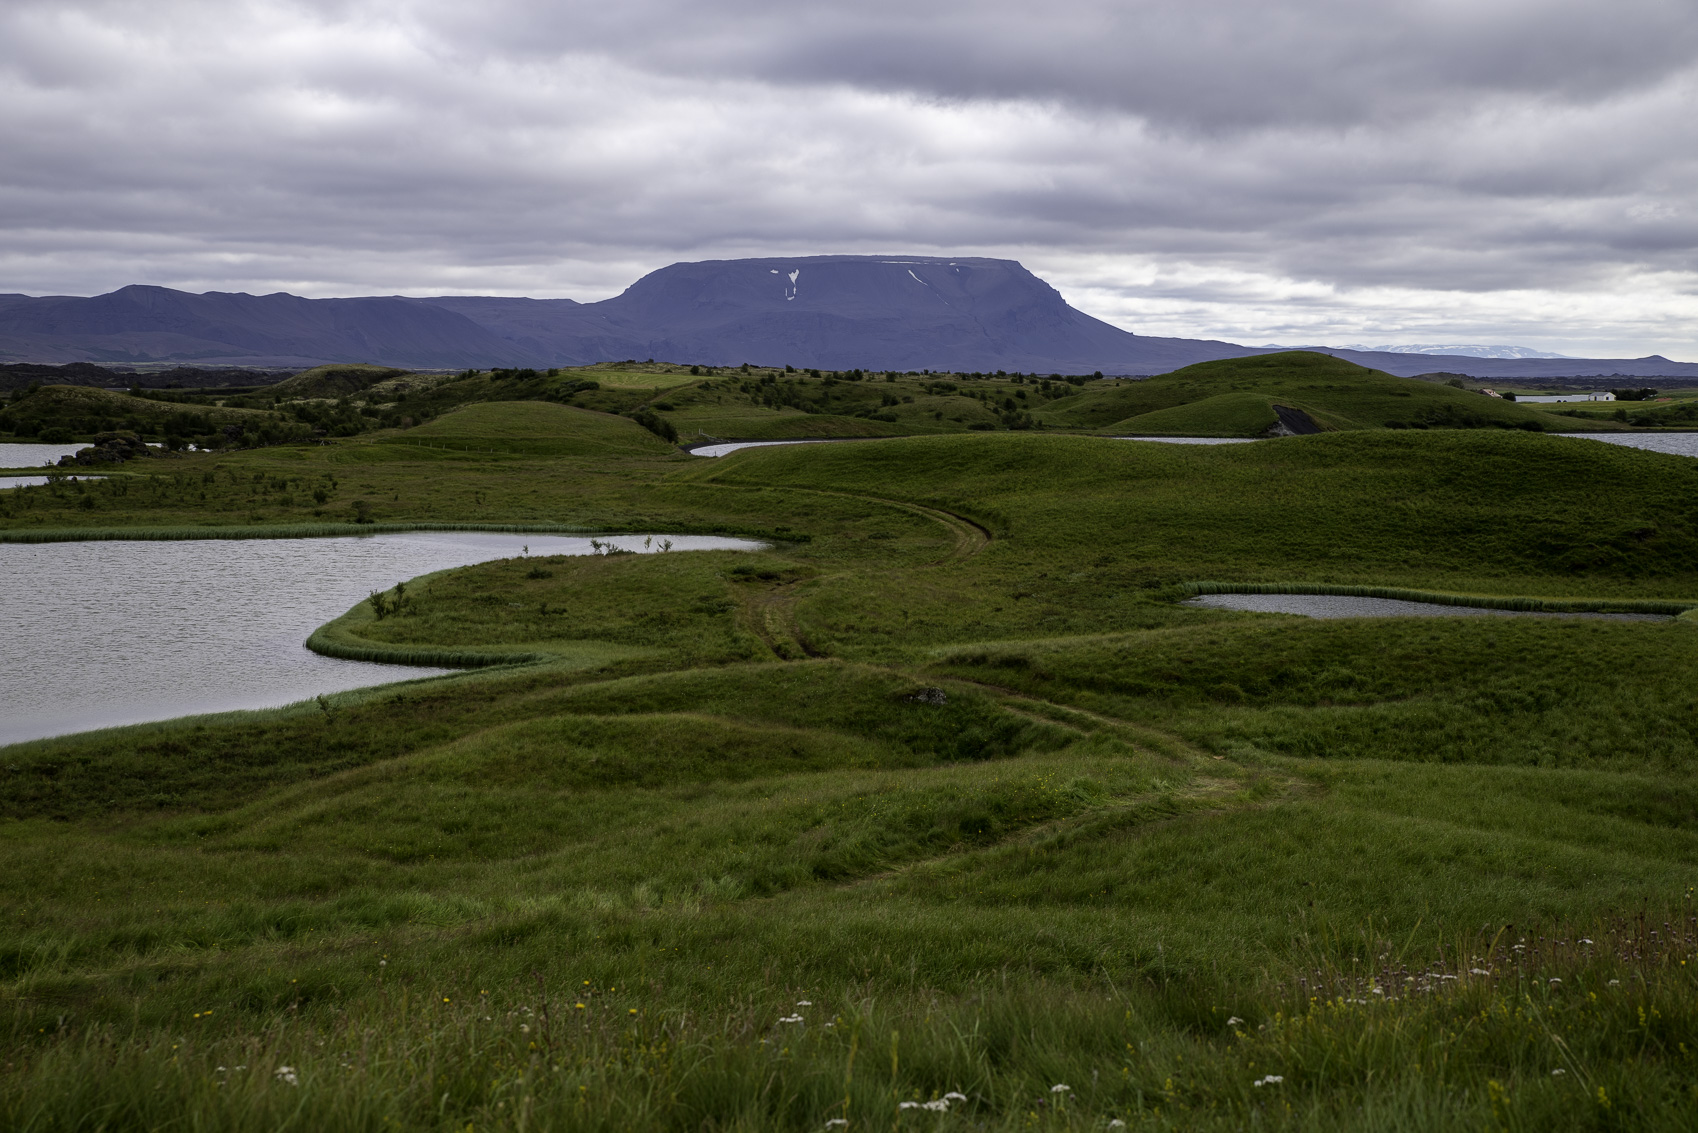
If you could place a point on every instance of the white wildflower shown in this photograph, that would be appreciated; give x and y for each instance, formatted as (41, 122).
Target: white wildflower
(1556, 979)
(1558, 1072)
(907, 1105)
(1585, 940)
(1270, 1080)
(1615, 983)
(1234, 1021)
(837, 1123)
(1478, 972)
(941, 1105)
(954, 1096)
(287, 1074)
(1058, 1088)
(1117, 1124)
(804, 1003)
(791, 1019)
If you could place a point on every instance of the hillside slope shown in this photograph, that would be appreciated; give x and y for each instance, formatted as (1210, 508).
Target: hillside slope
(1236, 398)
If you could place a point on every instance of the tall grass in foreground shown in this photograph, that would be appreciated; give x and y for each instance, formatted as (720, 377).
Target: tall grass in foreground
(1519, 1029)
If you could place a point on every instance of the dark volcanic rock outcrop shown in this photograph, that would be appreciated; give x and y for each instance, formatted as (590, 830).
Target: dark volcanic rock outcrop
(110, 448)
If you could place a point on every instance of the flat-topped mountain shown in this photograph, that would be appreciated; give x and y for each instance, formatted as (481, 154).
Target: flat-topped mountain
(836, 312)
(897, 312)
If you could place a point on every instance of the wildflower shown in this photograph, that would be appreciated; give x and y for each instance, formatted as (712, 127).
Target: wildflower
(1478, 972)
(804, 1003)
(1270, 1080)
(791, 1019)
(1558, 1072)
(579, 1006)
(287, 1074)
(1234, 1021)
(1615, 983)
(954, 1096)
(1585, 940)
(524, 1028)
(907, 1105)
(1058, 1088)
(1556, 979)
(633, 1010)
(837, 1123)
(941, 1105)
(1117, 1124)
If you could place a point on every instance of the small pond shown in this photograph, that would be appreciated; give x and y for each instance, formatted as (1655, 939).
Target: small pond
(1196, 440)
(34, 456)
(1676, 444)
(104, 633)
(34, 481)
(728, 447)
(1349, 606)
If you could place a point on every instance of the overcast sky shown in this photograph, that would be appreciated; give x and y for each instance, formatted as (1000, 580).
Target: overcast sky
(1294, 171)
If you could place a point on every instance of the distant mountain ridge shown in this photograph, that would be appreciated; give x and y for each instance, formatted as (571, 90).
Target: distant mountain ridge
(1468, 351)
(836, 312)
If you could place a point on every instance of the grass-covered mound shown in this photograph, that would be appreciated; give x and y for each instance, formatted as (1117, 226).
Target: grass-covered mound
(1487, 511)
(534, 429)
(332, 381)
(943, 799)
(1233, 398)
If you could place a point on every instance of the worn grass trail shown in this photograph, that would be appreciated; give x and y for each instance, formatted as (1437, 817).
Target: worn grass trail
(940, 803)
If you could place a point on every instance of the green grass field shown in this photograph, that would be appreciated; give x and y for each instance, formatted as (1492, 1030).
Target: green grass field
(941, 812)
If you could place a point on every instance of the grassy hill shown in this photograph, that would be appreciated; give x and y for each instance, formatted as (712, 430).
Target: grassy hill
(332, 381)
(532, 428)
(1234, 397)
(942, 793)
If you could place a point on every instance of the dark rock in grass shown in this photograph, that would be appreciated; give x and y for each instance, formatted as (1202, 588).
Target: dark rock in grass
(1293, 423)
(936, 697)
(111, 448)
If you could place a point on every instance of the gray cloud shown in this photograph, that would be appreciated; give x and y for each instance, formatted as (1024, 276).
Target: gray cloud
(1318, 169)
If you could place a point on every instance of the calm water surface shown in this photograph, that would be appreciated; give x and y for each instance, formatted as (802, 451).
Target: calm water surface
(34, 456)
(35, 481)
(1349, 606)
(99, 634)
(732, 446)
(1678, 444)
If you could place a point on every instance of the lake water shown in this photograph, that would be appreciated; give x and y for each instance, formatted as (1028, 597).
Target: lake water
(729, 447)
(104, 633)
(34, 456)
(34, 481)
(1349, 606)
(1677, 444)
(1196, 440)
